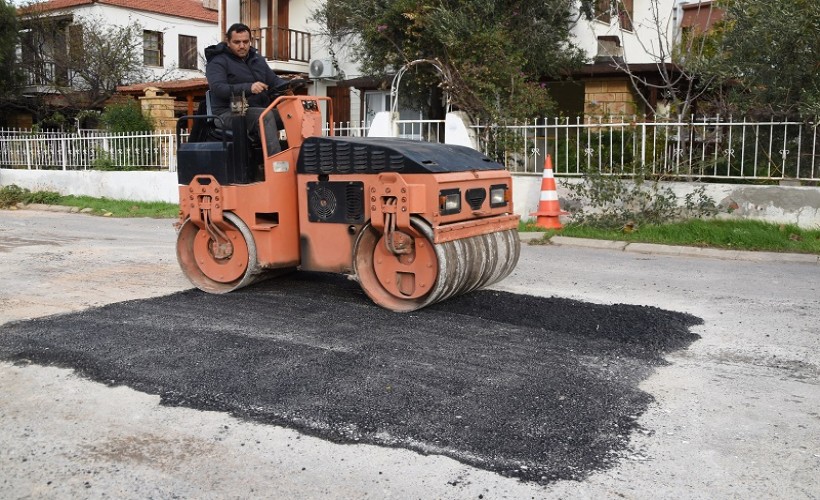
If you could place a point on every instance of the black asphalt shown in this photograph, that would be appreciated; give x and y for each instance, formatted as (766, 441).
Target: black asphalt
(536, 388)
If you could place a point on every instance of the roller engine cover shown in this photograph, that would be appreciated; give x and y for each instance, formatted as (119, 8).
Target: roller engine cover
(350, 155)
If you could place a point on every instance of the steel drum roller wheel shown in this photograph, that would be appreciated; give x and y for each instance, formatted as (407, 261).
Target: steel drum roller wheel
(217, 274)
(437, 271)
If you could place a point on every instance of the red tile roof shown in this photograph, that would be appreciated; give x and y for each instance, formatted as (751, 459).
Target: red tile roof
(52, 5)
(188, 9)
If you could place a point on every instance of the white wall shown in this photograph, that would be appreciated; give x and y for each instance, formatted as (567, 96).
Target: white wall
(639, 44)
(136, 186)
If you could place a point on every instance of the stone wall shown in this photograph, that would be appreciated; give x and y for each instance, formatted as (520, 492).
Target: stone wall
(159, 108)
(609, 97)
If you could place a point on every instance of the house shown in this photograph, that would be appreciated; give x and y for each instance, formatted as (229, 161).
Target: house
(632, 46)
(174, 34)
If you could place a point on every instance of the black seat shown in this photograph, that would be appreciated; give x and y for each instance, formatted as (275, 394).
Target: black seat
(215, 127)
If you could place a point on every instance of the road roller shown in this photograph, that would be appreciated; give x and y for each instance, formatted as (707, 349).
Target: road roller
(413, 222)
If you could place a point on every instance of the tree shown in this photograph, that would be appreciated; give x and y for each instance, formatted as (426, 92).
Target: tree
(493, 51)
(85, 60)
(768, 57)
(9, 77)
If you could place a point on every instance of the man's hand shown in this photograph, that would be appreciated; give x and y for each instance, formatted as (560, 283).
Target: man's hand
(259, 87)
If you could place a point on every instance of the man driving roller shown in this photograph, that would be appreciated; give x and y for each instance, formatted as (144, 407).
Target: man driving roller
(234, 69)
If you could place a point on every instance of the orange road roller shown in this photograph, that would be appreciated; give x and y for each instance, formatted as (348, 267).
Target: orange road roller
(413, 222)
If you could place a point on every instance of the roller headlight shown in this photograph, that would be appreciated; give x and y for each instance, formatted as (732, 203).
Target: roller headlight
(449, 201)
(498, 195)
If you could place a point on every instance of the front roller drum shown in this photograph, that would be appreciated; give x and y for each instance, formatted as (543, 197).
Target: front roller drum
(432, 272)
(211, 270)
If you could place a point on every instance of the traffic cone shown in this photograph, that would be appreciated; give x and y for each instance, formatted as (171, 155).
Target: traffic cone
(548, 208)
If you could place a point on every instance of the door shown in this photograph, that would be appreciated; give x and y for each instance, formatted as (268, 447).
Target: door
(341, 104)
(282, 30)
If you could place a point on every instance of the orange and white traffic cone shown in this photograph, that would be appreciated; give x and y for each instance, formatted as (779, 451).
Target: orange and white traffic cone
(549, 209)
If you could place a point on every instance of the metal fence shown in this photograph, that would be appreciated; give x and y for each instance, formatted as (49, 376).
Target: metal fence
(418, 130)
(698, 148)
(704, 148)
(87, 150)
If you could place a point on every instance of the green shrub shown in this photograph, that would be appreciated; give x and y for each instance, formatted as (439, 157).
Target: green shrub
(102, 161)
(44, 197)
(11, 195)
(612, 202)
(126, 118)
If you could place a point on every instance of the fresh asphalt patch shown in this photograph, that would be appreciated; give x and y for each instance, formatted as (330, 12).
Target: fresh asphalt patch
(536, 388)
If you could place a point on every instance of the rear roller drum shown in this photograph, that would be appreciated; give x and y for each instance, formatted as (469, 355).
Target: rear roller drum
(215, 265)
(431, 273)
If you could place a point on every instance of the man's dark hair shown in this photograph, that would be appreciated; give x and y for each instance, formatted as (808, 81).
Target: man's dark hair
(237, 28)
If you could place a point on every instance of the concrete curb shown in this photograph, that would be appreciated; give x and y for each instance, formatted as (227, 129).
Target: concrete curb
(678, 251)
(54, 208)
(589, 243)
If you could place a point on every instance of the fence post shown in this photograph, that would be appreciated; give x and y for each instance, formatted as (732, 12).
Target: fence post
(643, 146)
(172, 153)
(28, 154)
(64, 153)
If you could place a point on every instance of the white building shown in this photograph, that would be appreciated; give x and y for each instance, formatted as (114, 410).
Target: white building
(175, 32)
(174, 36)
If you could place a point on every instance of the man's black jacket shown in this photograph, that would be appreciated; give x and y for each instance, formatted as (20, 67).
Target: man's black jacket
(229, 75)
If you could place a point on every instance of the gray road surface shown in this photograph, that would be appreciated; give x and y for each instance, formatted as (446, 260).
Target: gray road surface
(735, 415)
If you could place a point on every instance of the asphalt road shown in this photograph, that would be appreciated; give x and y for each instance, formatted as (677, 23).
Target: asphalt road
(586, 373)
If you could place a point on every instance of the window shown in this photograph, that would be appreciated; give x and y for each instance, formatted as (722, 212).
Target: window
(187, 52)
(152, 48)
(604, 10)
(625, 11)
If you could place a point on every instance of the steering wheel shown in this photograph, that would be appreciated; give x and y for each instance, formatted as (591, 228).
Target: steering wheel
(287, 88)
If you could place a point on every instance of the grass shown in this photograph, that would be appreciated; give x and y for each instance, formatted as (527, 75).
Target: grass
(12, 194)
(121, 208)
(727, 234)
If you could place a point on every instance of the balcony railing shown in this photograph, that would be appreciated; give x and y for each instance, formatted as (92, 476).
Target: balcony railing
(282, 44)
(41, 74)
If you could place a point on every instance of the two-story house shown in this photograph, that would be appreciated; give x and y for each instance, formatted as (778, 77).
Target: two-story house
(174, 34)
(632, 47)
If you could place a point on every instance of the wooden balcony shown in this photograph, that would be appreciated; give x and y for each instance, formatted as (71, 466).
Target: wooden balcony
(282, 44)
